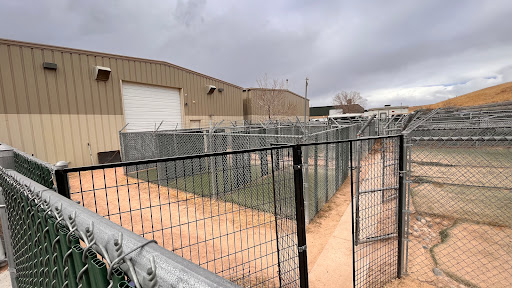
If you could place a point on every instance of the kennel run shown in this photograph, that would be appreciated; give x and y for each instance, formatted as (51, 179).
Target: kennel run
(433, 204)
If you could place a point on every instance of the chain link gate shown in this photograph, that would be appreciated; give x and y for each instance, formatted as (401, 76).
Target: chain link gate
(377, 206)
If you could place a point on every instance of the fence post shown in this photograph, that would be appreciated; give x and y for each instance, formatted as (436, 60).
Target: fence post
(401, 201)
(61, 179)
(301, 221)
(351, 168)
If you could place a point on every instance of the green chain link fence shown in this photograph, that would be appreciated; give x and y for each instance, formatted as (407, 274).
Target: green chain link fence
(47, 253)
(33, 168)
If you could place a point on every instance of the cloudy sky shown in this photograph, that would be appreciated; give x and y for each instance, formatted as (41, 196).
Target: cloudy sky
(393, 52)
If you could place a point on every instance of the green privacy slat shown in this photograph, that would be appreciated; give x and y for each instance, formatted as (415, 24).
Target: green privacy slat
(117, 276)
(55, 252)
(124, 284)
(101, 271)
(31, 168)
(93, 271)
(77, 252)
(68, 261)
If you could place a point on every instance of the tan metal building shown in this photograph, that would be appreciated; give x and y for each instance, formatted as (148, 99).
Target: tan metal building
(290, 106)
(77, 101)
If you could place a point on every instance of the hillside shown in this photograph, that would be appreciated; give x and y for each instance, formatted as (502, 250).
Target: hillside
(494, 94)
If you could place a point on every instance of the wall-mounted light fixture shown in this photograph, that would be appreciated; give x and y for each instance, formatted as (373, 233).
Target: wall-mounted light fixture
(49, 65)
(101, 73)
(210, 89)
(221, 89)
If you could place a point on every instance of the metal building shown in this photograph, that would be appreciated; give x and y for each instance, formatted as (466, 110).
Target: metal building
(77, 101)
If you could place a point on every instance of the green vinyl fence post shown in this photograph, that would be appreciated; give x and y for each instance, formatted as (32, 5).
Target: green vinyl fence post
(79, 265)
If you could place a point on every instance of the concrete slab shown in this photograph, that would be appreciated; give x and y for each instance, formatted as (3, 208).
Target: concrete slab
(334, 265)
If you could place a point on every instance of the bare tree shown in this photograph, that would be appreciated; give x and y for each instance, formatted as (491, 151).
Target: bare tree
(270, 97)
(345, 100)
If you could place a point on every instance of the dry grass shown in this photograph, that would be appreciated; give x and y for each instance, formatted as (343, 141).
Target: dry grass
(494, 94)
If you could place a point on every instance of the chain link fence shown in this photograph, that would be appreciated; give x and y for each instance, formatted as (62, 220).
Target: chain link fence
(33, 168)
(460, 199)
(376, 208)
(327, 165)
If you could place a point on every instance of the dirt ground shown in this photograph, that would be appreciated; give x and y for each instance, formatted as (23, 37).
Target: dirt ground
(463, 256)
(231, 240)
(408, 282)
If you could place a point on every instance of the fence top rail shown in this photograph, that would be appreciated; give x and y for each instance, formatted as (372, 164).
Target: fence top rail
(172, 158)
(455, 138)
(349, 140)
(27, 156)
(214, 154)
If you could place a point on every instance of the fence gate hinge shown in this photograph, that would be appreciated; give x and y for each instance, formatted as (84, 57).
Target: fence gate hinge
(297, 167)
(303, 248)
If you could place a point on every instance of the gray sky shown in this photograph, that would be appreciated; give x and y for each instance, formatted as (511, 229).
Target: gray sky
(393, 52)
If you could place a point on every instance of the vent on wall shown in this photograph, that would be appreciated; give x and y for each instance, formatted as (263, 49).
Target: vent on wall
(49, 65)
(101, 73)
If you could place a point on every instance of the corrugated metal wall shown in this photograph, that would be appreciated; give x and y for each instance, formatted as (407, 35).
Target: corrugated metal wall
(68, 108)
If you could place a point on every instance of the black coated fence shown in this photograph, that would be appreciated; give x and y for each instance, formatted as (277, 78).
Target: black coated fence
(233, 213)
(377, 205)
(241, 214)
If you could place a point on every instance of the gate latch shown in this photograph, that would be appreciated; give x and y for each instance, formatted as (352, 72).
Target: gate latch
(303, 248)
(297, 167)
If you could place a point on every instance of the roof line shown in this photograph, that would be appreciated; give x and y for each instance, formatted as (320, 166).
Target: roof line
(95, 53)
(286, 90)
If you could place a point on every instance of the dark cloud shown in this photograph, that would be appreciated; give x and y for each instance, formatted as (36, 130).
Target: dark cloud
(392, 51)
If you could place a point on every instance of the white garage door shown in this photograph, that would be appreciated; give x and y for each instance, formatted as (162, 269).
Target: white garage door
(146, 106)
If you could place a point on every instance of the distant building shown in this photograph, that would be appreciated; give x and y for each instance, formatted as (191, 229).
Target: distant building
(351, 108)
(319, 112)
(326, 111)
(387, 111)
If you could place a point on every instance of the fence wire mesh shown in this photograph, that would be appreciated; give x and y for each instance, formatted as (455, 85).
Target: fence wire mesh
(232, 213)
(375, 207)
(461, 205)
(460, 183)
(33, 168)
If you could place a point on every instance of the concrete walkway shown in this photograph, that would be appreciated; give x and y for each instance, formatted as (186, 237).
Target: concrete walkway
(5, 279)
(334, 265)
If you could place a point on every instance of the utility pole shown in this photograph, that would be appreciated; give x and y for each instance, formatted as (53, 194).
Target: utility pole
(306, 103)
(306, 156)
